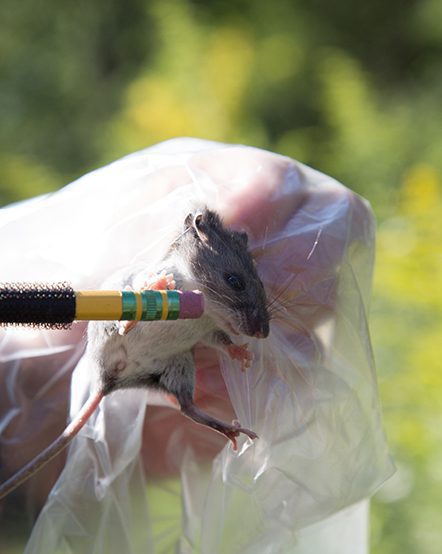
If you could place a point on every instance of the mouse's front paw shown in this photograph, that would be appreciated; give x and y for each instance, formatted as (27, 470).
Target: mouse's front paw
(162, 281)
(242, 353)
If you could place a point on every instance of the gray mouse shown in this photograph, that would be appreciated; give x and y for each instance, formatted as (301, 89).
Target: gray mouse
(158, 355)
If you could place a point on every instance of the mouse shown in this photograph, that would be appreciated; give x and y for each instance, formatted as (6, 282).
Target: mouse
(206, 256)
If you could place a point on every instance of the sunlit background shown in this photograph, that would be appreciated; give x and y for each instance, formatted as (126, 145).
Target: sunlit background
(353, 89)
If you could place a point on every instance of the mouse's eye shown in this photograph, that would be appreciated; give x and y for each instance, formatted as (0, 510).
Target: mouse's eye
(234, 281)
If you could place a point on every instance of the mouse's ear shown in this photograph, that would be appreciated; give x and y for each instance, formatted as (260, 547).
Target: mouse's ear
(194, 221)
(188, 220)
(197, 220)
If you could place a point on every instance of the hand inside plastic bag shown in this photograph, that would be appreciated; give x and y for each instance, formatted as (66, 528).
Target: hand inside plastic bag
(310, 393)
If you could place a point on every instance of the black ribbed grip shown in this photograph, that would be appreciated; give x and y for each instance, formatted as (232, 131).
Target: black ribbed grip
(37, 304)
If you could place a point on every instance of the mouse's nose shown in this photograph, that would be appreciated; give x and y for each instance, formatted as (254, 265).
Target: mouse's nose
(257, 323)
(260, 328)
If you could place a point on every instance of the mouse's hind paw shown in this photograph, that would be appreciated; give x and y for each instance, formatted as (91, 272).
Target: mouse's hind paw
(233, 431)
(230, 431)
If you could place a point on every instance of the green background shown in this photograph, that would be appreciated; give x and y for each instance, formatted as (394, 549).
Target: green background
(352, 88)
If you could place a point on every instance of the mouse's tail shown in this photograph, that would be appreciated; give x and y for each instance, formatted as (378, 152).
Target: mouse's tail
(54, 448)
(57, 305)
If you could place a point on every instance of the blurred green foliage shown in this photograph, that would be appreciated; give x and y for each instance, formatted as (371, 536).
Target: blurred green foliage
(353, 89)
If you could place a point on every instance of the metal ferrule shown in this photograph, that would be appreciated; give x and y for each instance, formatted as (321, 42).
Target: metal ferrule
(128, 305)
(173, 298)
(150, 305)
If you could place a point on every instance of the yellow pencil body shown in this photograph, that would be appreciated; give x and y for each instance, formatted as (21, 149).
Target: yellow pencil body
(98, 305)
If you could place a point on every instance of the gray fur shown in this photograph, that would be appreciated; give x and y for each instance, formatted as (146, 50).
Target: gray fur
(158, 354)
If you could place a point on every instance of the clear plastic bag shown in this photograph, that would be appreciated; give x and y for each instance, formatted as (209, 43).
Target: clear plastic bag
(141, 477)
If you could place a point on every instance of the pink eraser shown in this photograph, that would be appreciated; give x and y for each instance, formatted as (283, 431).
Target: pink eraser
(191, 304)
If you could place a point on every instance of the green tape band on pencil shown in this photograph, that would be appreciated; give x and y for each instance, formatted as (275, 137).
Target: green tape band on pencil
(58, 305)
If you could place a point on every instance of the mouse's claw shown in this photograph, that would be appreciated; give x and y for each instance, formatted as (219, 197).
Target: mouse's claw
(233, 431)
(125, 326)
